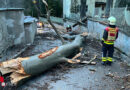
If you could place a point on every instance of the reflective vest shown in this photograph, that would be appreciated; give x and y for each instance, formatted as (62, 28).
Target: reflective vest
(112, 33)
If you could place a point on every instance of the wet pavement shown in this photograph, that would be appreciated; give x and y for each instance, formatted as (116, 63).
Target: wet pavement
(66, 76)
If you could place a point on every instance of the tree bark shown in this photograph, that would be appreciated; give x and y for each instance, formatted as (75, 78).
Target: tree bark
(82, 9)
(49, 20)
(53, 26)
(108, 6)
(23, 68)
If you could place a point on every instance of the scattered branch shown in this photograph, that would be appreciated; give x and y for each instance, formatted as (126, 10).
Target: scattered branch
(91, 61)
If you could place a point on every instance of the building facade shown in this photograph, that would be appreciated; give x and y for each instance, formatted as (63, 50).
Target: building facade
(71, 8)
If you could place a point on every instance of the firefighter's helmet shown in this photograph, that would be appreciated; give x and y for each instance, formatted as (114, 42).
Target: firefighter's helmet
(68, 26)
(112, 20)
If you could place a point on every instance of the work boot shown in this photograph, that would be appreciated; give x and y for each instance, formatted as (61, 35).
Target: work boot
(109, 63)
(104, 59)
(103, 63)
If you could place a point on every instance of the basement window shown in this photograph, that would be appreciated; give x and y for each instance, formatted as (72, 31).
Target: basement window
(100, 4)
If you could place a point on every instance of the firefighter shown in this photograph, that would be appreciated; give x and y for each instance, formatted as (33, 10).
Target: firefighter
(69, 28)
(109, 36)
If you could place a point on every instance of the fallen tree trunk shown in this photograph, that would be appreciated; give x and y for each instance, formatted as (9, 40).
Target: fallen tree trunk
(72, 37)
(23, 68)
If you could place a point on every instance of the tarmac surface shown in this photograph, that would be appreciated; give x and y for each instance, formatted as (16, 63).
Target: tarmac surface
(66, 76)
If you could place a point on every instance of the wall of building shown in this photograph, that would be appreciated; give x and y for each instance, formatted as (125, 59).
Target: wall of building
(13, 31)
(30, 32)
(71, 9)
(15, 25)
(4, 36)
(12, 28)
(91, 7)
(95, 29)
(11, 3)
(127, 16)
(98, 12)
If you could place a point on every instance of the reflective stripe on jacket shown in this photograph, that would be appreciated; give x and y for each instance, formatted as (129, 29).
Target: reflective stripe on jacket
(111, 36)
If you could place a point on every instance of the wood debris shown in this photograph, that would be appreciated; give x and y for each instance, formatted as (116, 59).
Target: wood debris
(110, 75)
(23, 68)
(90, 62)
(91, 69)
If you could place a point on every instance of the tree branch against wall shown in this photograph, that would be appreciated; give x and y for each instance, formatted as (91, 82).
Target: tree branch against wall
(108, 6)
(49, 20)
(39, 9)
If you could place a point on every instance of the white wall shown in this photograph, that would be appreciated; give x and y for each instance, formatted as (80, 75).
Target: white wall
(91, 7)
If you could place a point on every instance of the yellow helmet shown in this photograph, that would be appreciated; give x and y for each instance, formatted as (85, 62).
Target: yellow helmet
(112, 20)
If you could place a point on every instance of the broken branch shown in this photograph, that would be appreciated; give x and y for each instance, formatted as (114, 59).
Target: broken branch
(92, 59)
(49, 20)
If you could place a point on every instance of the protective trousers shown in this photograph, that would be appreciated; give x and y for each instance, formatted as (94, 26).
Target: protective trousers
(107, 51)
